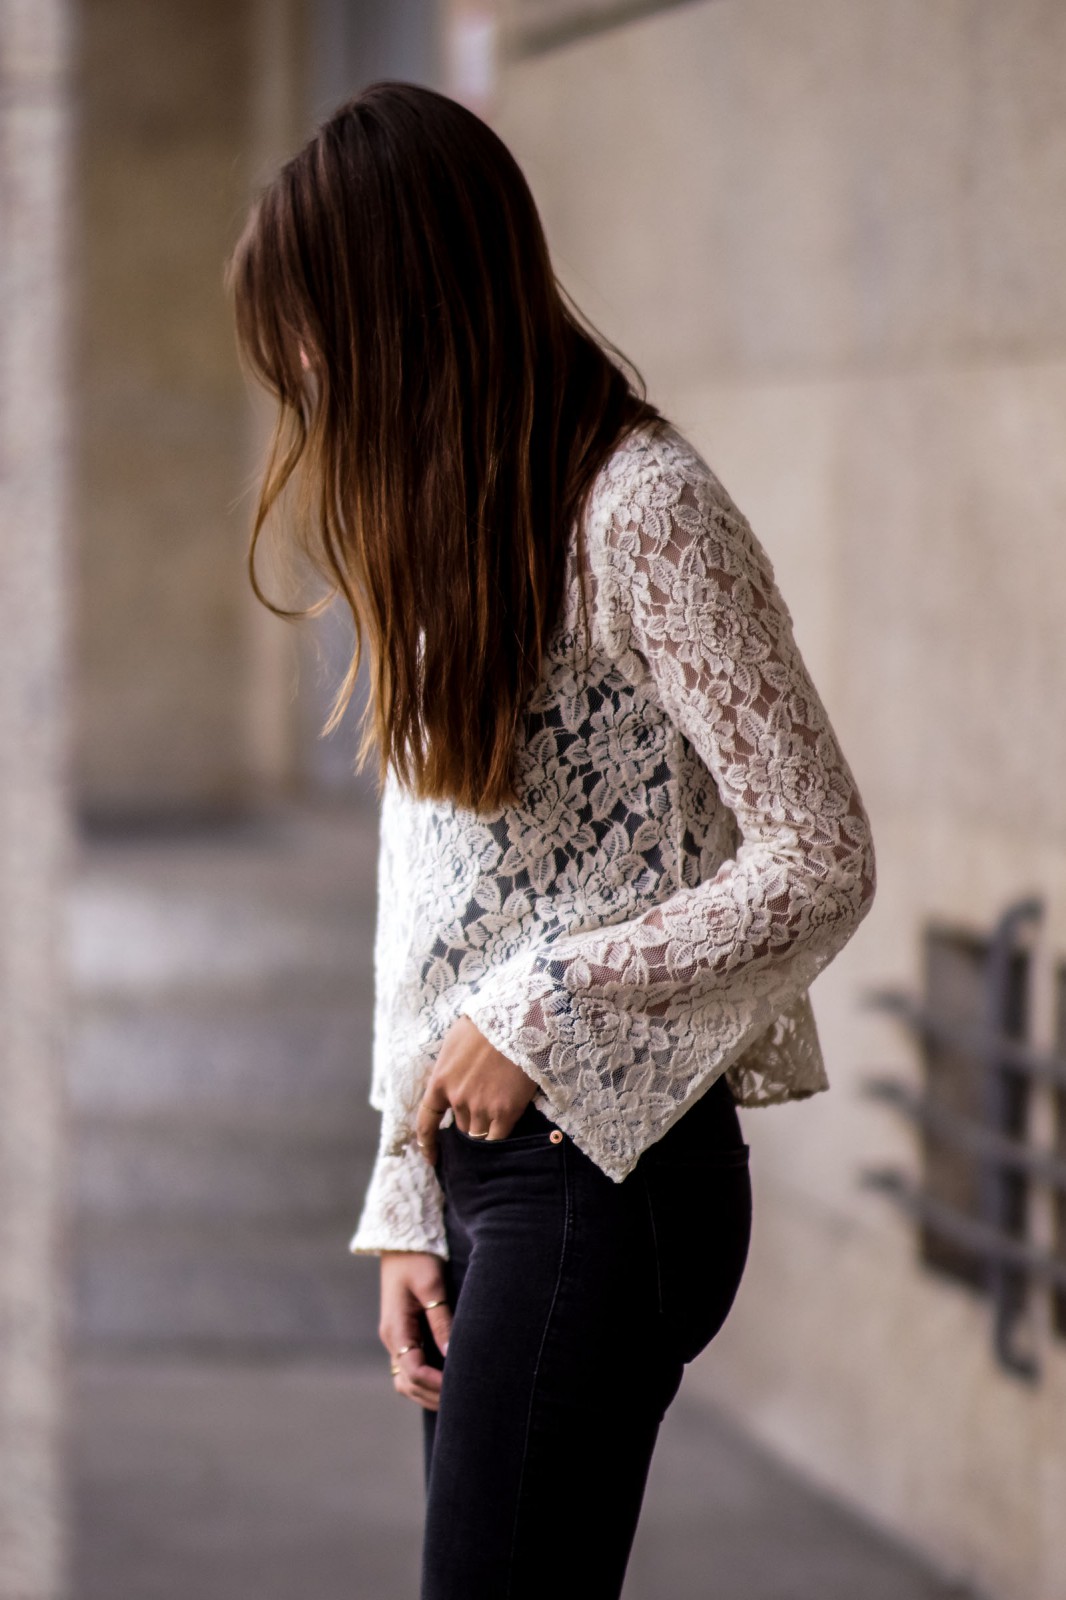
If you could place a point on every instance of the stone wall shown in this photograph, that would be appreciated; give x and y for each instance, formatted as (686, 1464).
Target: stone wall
(193, 702)
(162, 722)
(831, 232)
(34, 206)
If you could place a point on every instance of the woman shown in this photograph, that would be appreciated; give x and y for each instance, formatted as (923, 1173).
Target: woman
(619, 838)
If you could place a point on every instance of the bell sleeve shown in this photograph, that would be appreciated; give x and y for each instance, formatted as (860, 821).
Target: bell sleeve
(403, 1207)
(622, 1025)
(403, 1204)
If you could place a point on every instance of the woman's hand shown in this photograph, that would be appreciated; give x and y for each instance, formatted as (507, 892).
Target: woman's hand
(487, 1092)
(410, 1281)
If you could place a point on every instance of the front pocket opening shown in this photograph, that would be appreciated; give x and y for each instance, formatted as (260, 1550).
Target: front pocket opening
(514, 1141)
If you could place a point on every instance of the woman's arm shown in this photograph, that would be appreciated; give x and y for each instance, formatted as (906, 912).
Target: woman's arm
(688, 610)
(402, 1222)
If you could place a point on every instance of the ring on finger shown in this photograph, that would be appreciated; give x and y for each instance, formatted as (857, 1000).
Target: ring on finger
(431, 1303)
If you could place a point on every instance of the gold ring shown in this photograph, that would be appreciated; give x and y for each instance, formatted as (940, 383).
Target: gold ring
(431, 1303)
(416, 1344)
(478, 1135)
(394, 1368)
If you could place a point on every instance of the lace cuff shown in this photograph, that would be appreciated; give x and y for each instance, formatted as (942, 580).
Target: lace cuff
(403, 1208)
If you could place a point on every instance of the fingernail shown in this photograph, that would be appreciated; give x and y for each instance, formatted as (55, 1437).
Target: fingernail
(444, 1348)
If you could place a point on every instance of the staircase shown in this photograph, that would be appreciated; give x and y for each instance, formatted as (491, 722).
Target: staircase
(218, 1069)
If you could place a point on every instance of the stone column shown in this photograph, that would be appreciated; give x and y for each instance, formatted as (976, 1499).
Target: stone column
(34, 206)
(160, 689)
(276, 46)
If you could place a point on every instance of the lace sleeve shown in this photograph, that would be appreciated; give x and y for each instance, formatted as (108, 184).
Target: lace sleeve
(403, 1208)
(621, 1025)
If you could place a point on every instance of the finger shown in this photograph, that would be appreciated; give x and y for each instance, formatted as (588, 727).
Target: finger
(432, 1108)
(418, 1382)
(427, 1147)
(403, 1339)
(426, 1139)
(479, 1123)
(439, 1319)
(404, 1324)
(426, 1381)
(423, 1397)
(427, 1402)
(411, 1362)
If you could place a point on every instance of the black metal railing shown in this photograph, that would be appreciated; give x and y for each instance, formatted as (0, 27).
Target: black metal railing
(993, 1138)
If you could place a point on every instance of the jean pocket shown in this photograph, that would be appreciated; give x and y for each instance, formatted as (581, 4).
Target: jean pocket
(701, 1220)
(530, 1130)
(511, 1141)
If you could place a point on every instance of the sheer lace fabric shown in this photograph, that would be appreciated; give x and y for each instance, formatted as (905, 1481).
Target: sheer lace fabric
(690, 850)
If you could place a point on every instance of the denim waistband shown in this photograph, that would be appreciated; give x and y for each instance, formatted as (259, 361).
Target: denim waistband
(711, 1122)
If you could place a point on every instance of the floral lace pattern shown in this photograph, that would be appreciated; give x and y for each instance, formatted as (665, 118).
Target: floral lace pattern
(689, 852)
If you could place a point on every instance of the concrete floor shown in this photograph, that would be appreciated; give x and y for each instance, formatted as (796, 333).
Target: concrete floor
(265, 1480)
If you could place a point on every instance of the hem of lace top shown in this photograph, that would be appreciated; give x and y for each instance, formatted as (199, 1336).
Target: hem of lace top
(433, 1247)
(578, 1131)
(751, 1096)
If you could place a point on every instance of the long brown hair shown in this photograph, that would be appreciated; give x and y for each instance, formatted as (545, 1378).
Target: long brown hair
(448, 409)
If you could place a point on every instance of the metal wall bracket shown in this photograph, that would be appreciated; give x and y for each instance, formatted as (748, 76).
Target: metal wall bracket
(1006, 1064)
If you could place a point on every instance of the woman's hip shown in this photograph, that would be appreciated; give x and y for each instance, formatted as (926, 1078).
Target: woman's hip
(534, 1219)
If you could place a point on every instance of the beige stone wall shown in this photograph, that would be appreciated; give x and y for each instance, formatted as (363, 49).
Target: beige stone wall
(34, 204)
(831, 233)
(166, 127)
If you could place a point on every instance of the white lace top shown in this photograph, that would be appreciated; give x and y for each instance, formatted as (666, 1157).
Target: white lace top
(689, 852)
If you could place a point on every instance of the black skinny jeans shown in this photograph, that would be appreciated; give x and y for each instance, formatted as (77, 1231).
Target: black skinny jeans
(576, 1303)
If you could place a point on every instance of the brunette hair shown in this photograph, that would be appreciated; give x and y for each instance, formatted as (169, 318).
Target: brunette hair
(448, 408)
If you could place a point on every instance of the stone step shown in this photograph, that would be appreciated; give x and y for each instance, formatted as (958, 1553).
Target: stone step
(293, 895)
(233, 1289)
(218, 1071)
(306, 1173)
(274, 1054)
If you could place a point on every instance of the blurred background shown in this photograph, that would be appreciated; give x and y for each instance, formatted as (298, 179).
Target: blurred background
(831, 234)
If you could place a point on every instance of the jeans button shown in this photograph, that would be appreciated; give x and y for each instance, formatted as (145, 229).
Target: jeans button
(556, 1136)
